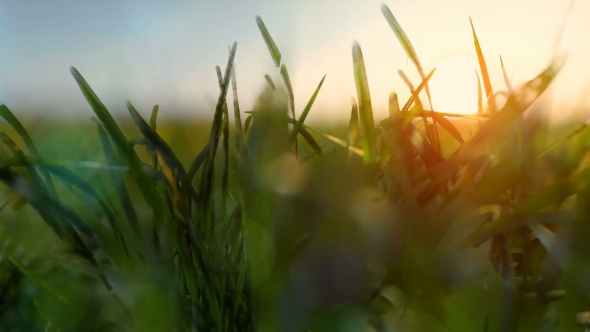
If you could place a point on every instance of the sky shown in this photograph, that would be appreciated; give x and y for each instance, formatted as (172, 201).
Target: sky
(165, 52)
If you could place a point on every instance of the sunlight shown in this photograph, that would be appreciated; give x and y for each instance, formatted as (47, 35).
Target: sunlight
(454, 85)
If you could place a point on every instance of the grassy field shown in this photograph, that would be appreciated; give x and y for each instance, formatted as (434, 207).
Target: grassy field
(418, 222)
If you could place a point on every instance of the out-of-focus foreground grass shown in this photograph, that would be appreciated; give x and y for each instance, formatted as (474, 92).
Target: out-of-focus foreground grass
(257, 221)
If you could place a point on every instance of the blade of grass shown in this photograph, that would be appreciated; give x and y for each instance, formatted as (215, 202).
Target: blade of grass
(171, 158)
(287, 81)
(410, 51)
(367, 123)
(206, 187)
(562, 140)
(43, 180)
(125, 151)
(225, 145)
(353, 126)
(338, 141)
(272, 47)
(419, 89)
(306, 110)
(506, 79)
(153, 125)
(479, 95)
(270, 82)
(406, 44)
(484, 71)
(117, 180)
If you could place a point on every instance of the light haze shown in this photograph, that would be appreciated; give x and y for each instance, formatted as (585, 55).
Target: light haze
(165, 52)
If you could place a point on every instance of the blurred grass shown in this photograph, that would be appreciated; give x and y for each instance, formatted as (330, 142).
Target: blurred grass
(270, 224)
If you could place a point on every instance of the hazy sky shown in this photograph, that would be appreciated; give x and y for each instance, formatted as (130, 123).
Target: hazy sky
(165, 52)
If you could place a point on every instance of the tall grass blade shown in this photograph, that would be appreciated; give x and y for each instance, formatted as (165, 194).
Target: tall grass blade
(306, 110)
(415, 94)
(272, 47)
(367, 123)
(270, 82)
(225, 145)
(287, 81)
(44, 182)
(117, 180)
(406, 44)
(505, 75)
(206, 186)
(479, 95)
(353, 125)
(125, 151)
(237, 115)
(484, 71)
(153, 126)
(562, 140)
(170, 157)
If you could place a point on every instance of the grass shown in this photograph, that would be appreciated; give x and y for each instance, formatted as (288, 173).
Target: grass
(423, 222)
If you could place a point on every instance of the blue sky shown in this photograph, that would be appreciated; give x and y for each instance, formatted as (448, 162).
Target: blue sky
(165, 52)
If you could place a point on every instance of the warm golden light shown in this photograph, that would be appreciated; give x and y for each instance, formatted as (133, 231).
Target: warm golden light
(454, 85)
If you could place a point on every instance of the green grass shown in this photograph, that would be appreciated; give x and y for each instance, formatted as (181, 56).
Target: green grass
(422, 222)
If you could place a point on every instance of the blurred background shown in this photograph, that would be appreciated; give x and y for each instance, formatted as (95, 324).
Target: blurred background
(165, 52)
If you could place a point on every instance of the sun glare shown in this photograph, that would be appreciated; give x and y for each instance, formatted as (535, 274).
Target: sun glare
(453, 86)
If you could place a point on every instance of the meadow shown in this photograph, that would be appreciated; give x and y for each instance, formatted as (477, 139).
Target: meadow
(421, 221)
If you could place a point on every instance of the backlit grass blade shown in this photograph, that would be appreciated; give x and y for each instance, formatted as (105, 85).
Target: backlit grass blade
(299, 123)
(415, 94)
(506, 79)
(270, 82)
(287, 81)
(353, 125)
(367, 123)
(338, 141)
(418, 109)
(125, 151)
(479, 95)
(272, 47)
(484, 71)
(406, 44)
(447, 125)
